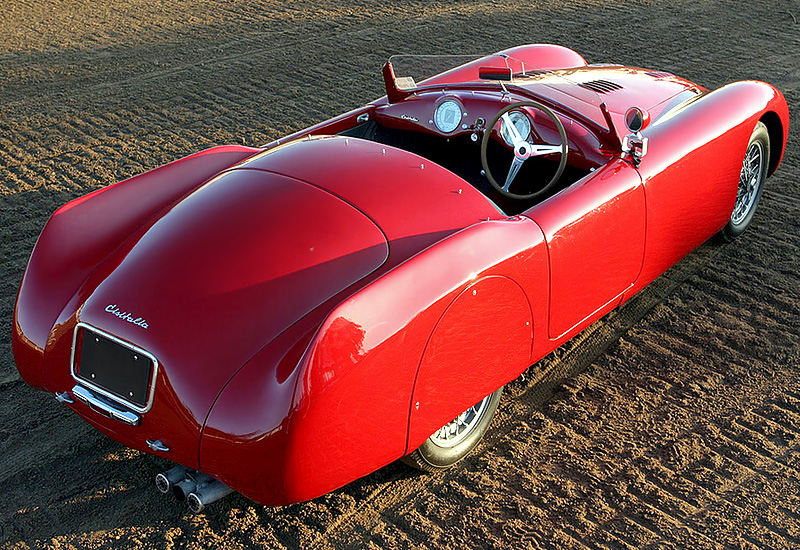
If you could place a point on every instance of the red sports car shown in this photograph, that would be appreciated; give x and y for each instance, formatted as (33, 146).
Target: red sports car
(282, 320)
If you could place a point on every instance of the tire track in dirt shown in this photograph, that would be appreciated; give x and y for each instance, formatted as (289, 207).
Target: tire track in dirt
(503, 431)
(247, 54)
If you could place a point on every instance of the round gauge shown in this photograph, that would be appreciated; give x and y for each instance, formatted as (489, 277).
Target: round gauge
(448, 116)
(521, 122)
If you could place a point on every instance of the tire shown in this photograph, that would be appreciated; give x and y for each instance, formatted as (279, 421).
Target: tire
(450, 444)
(751, 184)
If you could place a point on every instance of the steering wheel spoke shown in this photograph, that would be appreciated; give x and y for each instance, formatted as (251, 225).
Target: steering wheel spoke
(511, 128)
(523, 150)
(544, 149)
(512, 172)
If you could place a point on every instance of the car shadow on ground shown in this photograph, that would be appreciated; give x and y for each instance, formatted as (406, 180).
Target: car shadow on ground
(111, 489)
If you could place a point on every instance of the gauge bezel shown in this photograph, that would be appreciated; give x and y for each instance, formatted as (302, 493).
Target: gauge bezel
(438, 109)
(514, 116)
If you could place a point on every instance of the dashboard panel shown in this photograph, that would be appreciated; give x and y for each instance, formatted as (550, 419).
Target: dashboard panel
(455, 113)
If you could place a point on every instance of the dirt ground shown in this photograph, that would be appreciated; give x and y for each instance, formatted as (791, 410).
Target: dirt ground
(674, 423)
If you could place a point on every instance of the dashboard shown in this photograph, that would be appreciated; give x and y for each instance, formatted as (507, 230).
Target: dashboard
(458, 113)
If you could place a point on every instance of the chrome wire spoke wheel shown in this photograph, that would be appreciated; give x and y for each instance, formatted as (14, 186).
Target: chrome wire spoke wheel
(455, 431)
(750, 180)
(453, 441)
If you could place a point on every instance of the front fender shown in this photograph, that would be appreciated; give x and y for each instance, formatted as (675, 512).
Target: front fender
(691, 170)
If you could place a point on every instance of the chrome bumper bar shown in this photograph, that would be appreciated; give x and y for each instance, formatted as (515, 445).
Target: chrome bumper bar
(103, 406)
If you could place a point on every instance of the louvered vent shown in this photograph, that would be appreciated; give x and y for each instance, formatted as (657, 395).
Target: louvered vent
(601, 86)
(659, 74)
(534, 72)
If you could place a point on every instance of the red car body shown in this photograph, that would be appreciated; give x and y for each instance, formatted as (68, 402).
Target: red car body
(319, 307)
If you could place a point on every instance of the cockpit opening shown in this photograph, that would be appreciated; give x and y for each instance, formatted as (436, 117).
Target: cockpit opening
(461, 155)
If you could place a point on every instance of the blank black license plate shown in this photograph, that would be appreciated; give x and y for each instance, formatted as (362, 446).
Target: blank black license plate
(115, 368)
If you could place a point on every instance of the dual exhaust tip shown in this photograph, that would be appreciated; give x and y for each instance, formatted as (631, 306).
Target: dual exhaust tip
(196, 488)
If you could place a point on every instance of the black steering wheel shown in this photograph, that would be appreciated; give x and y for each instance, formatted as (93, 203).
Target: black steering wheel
(523, 149)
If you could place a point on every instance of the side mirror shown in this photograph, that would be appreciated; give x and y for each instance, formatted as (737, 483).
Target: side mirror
(634, 143)
(636, 120)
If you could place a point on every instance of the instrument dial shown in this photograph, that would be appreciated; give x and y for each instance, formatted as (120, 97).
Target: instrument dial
(521, 122)
(448, 116)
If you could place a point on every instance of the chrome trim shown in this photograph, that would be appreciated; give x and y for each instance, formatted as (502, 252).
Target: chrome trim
(106, 393)
(457, 430)
(165, 481)
(157, 445)
(104, 406)
(207, 494)
(63, 397)
(636, 145)
(162, 483)
(448, 99)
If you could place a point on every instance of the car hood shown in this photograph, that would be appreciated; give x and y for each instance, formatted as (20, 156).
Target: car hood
(584, 89)
(619, 87)
(225, 271)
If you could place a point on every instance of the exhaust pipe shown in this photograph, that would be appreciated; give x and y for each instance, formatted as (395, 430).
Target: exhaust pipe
(183, 488)
(165, 481)
(206, 494)
(190, 483)
(197, 488)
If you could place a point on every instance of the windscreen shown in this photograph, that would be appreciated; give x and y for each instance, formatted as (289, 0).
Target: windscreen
(570, 88)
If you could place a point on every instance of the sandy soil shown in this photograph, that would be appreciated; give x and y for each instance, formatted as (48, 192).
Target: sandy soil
(672, 423)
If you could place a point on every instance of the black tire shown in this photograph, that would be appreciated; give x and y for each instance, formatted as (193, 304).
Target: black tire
(432, 456)
(751, 184)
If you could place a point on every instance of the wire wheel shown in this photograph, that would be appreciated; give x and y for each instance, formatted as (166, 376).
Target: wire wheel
(751, 184)
(453, 441)
(454, 432)
(750, 180)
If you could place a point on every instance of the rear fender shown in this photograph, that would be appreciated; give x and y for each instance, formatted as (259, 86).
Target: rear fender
(350, 413)
(481, 342)
(84, 232)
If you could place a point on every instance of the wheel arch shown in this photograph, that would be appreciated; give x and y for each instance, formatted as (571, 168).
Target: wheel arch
(776, 142)
(494, 317)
